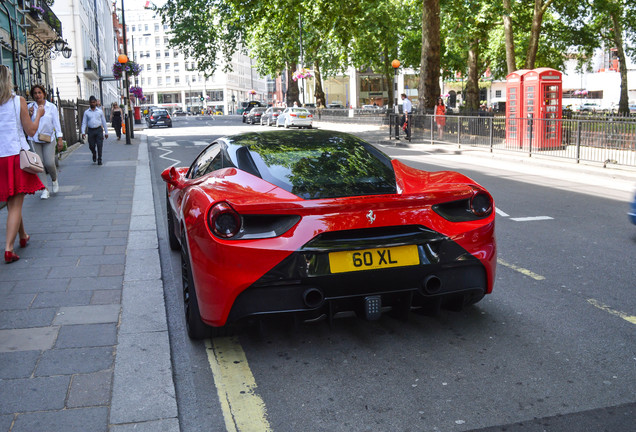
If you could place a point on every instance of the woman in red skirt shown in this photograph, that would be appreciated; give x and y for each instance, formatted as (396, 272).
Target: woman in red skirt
(440, 117)
(15, 183)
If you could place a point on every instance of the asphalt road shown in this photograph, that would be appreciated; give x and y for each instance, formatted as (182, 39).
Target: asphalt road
(553, 348)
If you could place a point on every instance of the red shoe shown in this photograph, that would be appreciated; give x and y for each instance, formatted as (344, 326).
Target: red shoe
(25, 241)
(10, 257)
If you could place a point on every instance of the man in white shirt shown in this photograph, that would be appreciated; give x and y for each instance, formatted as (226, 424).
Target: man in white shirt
(405, 121)
(95, 121)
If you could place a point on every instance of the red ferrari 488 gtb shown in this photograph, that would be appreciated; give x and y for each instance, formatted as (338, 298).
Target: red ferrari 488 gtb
(317, 222)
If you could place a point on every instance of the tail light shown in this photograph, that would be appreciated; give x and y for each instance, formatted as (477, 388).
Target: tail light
(481, 204)
(293, 115)
(168, 116)
(224, 221)
(310, 116)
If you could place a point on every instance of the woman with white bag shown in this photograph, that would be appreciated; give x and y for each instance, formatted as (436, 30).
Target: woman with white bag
(43, 139)
(14, 181)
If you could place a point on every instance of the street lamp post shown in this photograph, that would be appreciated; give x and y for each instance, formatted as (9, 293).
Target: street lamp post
(128, 113)
(396, 65)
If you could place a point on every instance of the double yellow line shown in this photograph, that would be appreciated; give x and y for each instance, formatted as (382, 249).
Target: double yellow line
(243, 409)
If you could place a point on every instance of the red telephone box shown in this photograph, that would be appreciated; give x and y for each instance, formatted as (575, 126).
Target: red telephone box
(514, 107)
(543, 92)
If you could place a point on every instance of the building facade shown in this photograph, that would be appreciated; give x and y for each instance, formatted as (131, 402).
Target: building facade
(90, 33)
(171, 80)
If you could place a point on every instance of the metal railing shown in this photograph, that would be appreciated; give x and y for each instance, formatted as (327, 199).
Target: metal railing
(607, 141)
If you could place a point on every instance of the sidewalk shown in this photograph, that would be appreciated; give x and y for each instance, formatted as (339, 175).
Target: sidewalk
(83, 334)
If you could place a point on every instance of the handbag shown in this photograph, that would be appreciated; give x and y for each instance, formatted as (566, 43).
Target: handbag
(44, 137)
(30, 162)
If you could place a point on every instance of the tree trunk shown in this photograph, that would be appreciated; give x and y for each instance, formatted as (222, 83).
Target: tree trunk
(623, 103)
(390, 76)
(320, 94)
(510, 37)
(292, 87)
(472, 86)
(535, 32)
(428, 87)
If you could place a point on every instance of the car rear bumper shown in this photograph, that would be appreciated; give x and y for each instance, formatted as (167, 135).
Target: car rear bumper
(303, 282)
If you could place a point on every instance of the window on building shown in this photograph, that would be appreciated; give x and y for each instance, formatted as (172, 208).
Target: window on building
(168, 80)
(158, 66)
(159, 81)
(156, 27)
(176, 66)
(145, 27)
(165, 40)
(156, 40)
(133, 28)
(146, 40)
(167, 66)
(175, 53)
(148, 67)
(158, 54)
(498, 93)
(177, 80)
(165, 26)
(167, 53)
(143, 81)
(149, 80)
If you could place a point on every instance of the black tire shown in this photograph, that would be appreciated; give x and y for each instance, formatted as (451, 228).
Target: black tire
(196, 328)
(172, 237)
(309, 127)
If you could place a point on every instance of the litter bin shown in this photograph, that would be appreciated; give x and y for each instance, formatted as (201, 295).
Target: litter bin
(137, 115)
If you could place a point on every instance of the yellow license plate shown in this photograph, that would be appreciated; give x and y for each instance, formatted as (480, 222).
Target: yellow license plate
(302, 116)
(369, 259)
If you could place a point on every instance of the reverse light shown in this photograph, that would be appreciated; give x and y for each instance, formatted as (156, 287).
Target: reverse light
(224, 221)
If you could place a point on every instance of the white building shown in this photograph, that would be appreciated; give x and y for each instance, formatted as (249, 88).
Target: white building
(88, 29)
(170, 80)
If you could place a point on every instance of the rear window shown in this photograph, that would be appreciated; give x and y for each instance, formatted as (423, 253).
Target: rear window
(159, 112)
(316, 166)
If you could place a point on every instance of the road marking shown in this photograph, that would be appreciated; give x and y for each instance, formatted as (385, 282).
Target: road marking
(501, 212)
(200, 143)
(164, 156)
(169, 144)
(243, 409)
(531, 218)
(601, 306)
(521, 270)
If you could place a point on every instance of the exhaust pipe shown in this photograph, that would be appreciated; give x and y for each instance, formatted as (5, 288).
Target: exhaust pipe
(313, 297)
(432, 284)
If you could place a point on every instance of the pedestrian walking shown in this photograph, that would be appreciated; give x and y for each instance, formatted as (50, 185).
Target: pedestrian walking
(14, 182)
(405, 121)
(95, 122)
(440, 117)
(116, 119)
(44, 139)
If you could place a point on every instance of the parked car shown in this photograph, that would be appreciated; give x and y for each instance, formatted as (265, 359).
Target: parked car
(589, 107)
(297, 117)
(632, 212)
(178, 113)
(372, 108)
(335, 105)
(254, 115)
(159, 117)
(283, 222)
(271, 115)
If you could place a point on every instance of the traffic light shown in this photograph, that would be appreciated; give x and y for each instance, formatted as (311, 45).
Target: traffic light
(201, 97)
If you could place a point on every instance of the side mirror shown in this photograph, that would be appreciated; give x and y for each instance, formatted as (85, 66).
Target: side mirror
(172, 177)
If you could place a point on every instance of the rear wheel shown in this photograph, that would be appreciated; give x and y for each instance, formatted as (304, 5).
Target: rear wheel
(172, 238)
(286, 124)
(196, 328)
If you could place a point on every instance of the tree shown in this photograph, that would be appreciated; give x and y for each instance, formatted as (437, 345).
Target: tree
(428, 88)
(622, 16)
